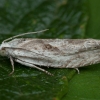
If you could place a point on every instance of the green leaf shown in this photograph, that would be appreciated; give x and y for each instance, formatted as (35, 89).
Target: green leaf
(64, 19)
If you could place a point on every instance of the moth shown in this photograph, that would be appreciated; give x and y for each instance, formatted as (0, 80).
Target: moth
(56, 53)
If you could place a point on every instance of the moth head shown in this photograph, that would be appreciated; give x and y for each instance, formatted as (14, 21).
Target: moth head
(3, 49)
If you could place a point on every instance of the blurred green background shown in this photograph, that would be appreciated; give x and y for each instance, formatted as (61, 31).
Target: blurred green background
(64, 19)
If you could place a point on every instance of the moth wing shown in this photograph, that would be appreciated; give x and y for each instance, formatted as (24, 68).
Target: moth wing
(57, 52)
(57, 47)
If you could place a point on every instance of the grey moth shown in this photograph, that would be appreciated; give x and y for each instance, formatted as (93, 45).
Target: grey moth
(56, 53)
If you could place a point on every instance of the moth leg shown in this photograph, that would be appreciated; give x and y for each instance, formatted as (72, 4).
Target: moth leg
(77, 70)
(12, 63)
(32, 66)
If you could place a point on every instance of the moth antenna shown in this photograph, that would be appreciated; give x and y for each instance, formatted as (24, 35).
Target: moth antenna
(23, 35)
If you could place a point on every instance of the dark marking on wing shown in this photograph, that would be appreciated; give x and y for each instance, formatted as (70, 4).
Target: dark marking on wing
(50, 47)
